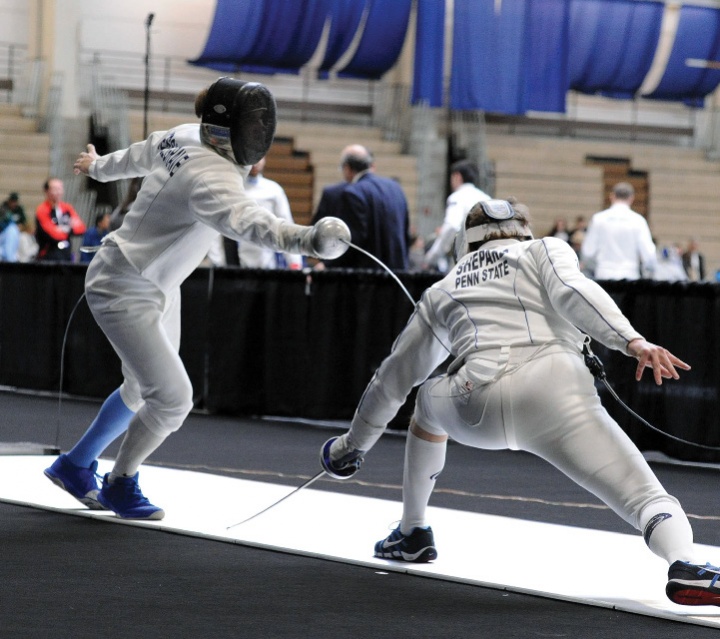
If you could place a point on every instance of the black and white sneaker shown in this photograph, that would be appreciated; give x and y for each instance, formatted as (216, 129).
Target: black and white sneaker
(693, 585)
(418, 546)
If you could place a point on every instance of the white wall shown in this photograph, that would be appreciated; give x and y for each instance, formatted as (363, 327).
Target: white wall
(180, 27)
(14, 21)
(59, 29)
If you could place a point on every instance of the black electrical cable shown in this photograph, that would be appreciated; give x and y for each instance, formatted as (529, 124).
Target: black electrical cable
(596, 367)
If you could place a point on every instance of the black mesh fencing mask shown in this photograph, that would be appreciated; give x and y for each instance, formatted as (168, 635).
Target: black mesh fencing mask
(239, 118)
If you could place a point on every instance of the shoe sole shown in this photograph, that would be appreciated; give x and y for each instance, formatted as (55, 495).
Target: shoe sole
(153, 516)
(421, 557)
(689, 596)
(92, 504)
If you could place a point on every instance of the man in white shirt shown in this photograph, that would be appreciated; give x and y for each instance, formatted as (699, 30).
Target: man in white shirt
(618, 244)
(465, 194)
(270, 195)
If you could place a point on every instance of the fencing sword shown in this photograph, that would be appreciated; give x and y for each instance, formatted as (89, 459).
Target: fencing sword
(56, 450)
(282, 499)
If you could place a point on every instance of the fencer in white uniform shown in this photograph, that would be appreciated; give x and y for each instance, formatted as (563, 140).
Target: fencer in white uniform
(465, 194)
(514, 314)
(192, 190)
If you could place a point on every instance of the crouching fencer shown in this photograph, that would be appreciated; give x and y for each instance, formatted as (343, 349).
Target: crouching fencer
(514, 313)
(192, 190)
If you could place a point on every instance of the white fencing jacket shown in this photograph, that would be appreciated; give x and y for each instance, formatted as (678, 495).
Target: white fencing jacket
(508, 294)
(190, 194)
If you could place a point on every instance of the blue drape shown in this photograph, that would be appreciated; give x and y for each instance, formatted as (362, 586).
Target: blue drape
(381, 41)
(269, 36)
(612, 45)
(429, 53)
(226, 46)
(345, 16)
(509, 56)
(698, 36)
(264, 36)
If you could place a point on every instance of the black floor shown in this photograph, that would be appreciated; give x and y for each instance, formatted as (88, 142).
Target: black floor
(66, 576)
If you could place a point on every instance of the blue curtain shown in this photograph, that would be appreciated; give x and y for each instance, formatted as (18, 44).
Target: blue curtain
(381, 41)
(546, 55)
(345, 16)
(271, 36)
(249, 36)
(612, 45)
(429, 53)
(509, 55)
(698, 36)
(227, 45)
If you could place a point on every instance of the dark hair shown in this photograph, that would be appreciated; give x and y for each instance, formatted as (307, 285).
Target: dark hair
(468, 171)
(200, 101)
(477, 216)
(46, 185)
(358, 162)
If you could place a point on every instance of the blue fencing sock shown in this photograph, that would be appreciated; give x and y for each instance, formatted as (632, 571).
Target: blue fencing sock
(111, 422)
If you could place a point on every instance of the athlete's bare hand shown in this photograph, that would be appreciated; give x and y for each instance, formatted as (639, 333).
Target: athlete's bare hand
(662, 361)
(84, 160)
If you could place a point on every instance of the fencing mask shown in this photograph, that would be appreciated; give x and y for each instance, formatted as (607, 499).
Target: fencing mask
(498, 219)
(239, 118)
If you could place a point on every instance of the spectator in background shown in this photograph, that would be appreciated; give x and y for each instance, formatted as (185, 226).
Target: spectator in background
(329, 205)
(669, 267)
(94, 236)
(12, 218)
(618, 244)
(693, 262)
(375, 210)
(577, 233)
(559, 230)
(57, 222)
(464, 176)
(28, 247)
(270, 195)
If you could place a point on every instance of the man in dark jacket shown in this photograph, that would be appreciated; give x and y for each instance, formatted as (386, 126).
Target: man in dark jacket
(374, 208)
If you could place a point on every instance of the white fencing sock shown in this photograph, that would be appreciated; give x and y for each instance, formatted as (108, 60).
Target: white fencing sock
(424, 461)
(667, 531)
(138, 444)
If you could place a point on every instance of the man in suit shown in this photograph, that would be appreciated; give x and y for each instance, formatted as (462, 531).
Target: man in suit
(374, 208)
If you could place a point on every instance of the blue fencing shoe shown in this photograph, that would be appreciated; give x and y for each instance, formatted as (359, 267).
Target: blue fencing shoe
(693, 585)
(80, 482)
(126, 500)
(418, 546)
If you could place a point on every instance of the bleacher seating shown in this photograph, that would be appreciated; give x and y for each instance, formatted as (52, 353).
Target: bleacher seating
(25, 158)
(554, 177)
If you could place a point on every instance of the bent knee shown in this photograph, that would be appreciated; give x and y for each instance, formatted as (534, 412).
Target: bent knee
(437, 435)
(165, 412)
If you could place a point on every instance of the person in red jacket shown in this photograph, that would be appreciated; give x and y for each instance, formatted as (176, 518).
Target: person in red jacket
(56, 221)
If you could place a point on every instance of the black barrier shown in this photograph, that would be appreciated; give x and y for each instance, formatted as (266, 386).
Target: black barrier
(291, 344)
